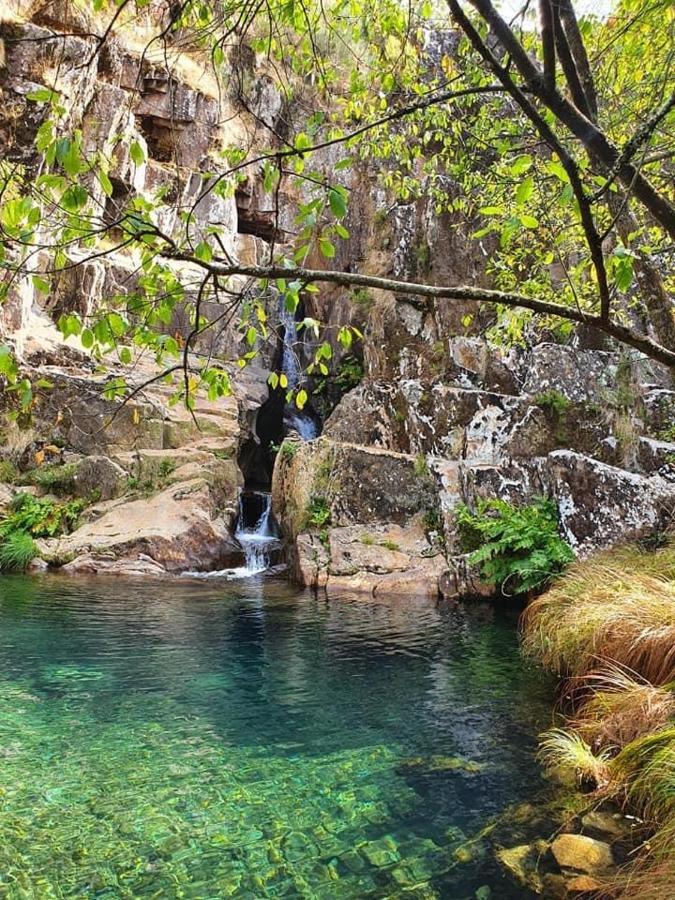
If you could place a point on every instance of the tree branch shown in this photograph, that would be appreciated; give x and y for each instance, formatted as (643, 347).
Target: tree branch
(547, 42)
(437, 292)
(588, 223)
(594, 140)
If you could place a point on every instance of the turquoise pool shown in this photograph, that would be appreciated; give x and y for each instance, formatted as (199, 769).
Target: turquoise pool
(213, 739)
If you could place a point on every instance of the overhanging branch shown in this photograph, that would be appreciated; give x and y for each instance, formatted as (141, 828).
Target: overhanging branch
(437, 292)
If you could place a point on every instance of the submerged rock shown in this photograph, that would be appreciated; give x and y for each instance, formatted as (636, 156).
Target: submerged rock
(583, 854)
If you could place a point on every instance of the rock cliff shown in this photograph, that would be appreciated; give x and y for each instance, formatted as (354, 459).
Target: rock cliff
(425, 413)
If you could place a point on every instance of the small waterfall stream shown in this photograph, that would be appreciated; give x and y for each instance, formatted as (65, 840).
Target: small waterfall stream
(294, 419)
(256, 531)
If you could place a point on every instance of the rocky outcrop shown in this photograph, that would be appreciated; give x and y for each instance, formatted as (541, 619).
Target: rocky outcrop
(566, 435)
(358, 519)
(176, 530)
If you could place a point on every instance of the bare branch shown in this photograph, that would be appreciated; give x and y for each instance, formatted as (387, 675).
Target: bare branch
(438, 292)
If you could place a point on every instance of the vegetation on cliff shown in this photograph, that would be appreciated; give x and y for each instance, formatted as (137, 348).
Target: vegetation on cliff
(547, 143)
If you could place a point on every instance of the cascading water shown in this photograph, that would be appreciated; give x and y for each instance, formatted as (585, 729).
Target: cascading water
(256, 531)
(294, 419)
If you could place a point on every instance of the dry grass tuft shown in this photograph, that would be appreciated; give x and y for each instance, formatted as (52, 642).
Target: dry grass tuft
(619, 606)
(567, 751)
(620, 706)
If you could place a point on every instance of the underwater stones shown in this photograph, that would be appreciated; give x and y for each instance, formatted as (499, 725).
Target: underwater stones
(381, 853)
(522, 863)
(583, 884)
(583, 854)
(601, 505)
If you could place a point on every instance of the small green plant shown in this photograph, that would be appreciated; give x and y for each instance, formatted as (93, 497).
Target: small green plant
(367, 539)
(553, 401)
(421, 467)
(53, 478)
(165, 468)
(8, 472)
(40, 517)
(349, 374)
(288, 450)
(667, 434)
(423, 256)
(17, 549)
(390, 545)
(318, 511)
(362, 298)
(518, 549)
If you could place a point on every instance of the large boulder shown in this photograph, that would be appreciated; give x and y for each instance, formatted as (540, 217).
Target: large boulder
(602, 505)
(358, 519)
(178, 529)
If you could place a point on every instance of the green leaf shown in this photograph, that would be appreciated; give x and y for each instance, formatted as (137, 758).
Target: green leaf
(203, 251)
(301, 398)
(521, 165)
(327, 248)
(529, 221)
(87, 338)
(525, 190)
(105, 182)
(8, 366)
(42, 95)
(41, 284)
(338, 203)
(137, 153)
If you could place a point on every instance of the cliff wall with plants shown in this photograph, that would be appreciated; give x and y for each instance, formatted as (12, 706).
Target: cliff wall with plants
(172, 195)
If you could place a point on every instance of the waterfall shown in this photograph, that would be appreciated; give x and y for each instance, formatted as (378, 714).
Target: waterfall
(259, 539)
(294, 419)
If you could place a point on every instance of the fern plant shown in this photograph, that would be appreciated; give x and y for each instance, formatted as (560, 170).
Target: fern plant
(519, 549)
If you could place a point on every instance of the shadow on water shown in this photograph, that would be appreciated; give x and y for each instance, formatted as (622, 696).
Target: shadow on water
(246, 734)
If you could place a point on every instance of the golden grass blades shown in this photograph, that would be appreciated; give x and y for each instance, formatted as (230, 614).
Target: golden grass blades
(620, 706)
(598, 611)
(568, 752)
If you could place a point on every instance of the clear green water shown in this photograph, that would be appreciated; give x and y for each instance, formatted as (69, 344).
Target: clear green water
(203, 740)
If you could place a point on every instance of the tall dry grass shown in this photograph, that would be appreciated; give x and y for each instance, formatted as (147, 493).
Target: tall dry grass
(608, 626)
(618, 607)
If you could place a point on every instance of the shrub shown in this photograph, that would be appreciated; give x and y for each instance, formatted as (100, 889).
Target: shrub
(288, 450)
(552, 401)
(518, 549)
(318, 511)
(40, 517)
(17, 549)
